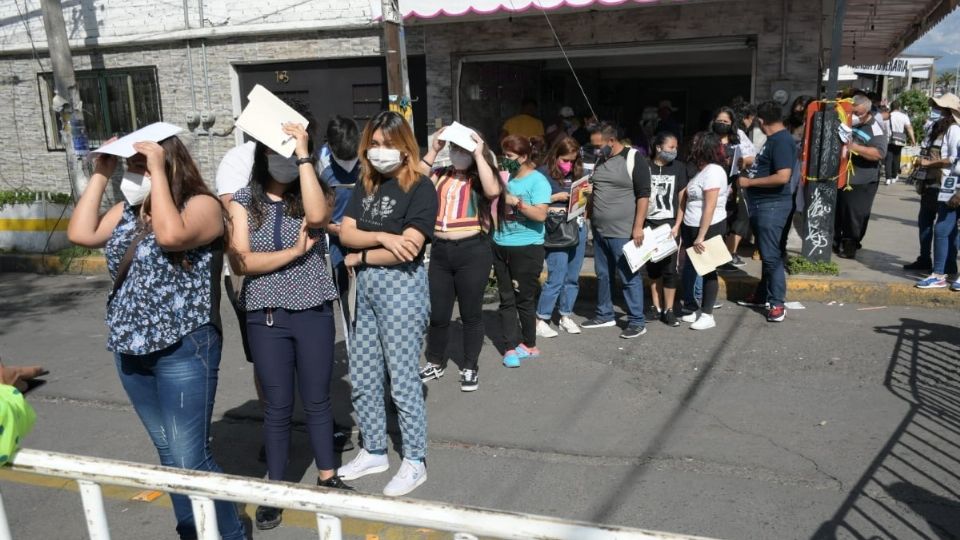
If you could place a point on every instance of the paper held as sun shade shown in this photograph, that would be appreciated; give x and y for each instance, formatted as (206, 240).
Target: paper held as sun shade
(263, 119)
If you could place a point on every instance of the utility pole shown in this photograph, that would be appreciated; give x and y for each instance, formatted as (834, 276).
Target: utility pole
(398, 82)
(66, 102)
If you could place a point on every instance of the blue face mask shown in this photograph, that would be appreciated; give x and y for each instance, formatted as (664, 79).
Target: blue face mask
(935, 115)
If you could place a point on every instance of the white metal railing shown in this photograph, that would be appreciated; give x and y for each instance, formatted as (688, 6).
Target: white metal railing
(329, 505)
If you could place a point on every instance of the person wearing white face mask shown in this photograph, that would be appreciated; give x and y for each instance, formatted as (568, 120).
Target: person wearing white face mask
(390, 218)
(461, 257)
(288, 293)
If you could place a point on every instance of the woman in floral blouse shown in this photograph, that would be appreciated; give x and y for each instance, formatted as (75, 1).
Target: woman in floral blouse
(163, 316)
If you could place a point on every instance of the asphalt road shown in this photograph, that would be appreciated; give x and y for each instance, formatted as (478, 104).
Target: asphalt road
(843, 422)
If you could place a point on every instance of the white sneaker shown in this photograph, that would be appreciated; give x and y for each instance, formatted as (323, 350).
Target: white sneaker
(705, 322)
(568, 325)
(544, 330)
(412, 474)
(365, 463)
(690, 317)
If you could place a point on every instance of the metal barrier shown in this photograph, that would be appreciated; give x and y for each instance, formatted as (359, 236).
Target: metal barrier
(329, 505)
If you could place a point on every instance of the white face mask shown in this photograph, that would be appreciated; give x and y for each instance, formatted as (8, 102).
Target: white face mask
(855, 120)
(460, 159)
(346, 165)
(384, 160)
(135, 187)
(283, 170)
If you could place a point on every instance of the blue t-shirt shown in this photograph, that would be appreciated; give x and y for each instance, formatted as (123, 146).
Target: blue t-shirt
(517, 230)
(342, 182)
(779, 152)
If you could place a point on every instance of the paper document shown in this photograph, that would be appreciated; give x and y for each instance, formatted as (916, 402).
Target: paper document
(715, 256)
(658, 244)
(735, 161)
(263, 119)
(459, 135)
(577, 205)
(123, 146)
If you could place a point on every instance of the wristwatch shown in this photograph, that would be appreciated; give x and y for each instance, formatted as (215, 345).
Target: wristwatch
(305, 161)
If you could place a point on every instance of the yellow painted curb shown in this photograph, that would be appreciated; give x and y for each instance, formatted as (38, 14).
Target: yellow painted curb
(33, 225)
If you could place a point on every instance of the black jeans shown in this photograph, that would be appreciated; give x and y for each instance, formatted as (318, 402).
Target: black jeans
(892, 161)
(459, 272)
(711, 283)
(853, 213)
(294, 349)
(518, 279)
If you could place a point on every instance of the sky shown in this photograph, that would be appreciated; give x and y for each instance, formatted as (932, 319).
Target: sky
(943, 40)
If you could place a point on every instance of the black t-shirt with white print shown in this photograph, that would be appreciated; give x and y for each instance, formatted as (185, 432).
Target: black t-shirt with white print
(391, 210)
(666, 183)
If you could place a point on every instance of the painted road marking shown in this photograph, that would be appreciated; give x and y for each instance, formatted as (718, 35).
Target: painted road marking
(33, 225)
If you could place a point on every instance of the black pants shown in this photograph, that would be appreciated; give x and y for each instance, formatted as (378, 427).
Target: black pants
(459, 272)
(294, 348)
(341, 278)
(853, 213)
(711, 283)
(518, 279)
(234, 297)
(892, 161)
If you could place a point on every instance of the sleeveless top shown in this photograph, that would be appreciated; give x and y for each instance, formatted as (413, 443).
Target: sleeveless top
(303, 284)
(457, 202)
(161, 301)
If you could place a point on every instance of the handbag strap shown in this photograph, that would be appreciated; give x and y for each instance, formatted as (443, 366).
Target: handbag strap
(127, 260)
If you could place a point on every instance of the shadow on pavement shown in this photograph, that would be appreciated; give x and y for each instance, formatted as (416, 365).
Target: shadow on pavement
(915, 478)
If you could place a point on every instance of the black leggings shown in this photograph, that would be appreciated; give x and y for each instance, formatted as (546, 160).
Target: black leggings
(711, 285)
(294, 347)
(459, 272)
(239, 311)
(518, 271)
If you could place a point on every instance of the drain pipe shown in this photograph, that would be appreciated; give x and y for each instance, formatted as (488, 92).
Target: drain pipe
(193, 93)
(783, 39)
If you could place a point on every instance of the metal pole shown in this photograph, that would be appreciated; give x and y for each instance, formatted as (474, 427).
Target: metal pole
(69, 106)
(836, 44)
(329, 527)
(398, 82)
(92, 498)
(205, 518)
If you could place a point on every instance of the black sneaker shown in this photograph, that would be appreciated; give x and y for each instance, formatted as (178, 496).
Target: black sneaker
(919, 265)
(431, 371)
(597, 323)
(632, 331)
(669, 318)
(469, 380)
(334, 482)
(653, 313)
(341, 439)
(268, 517)
(737, 261)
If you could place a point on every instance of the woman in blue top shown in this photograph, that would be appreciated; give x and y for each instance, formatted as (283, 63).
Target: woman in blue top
(164, 251)
(518, 248)
(288, 293)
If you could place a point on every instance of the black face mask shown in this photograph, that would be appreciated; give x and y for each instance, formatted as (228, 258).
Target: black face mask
(796, 118)
(722, 129)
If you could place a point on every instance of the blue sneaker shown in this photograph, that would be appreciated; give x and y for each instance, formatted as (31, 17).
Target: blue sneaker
(511, 359)
(524, 352)
(955, 286)
(932, 282)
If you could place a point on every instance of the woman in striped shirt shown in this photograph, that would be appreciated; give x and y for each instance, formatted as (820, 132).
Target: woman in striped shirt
(461, 256)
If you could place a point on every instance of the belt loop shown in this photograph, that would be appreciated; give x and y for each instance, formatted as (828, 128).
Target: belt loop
(269, 316)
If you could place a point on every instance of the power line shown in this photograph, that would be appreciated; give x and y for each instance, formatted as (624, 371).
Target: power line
(26, 27)
(565, 57)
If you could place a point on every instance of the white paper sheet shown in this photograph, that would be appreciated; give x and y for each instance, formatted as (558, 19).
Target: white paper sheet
(577, 205)
(657, 245)
(155, 132)
(948, 186)
(459, 135)
(263, 119)
(735, 162)
(716, 255)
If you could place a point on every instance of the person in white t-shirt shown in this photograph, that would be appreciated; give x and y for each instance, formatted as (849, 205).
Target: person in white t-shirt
(705, 216)
(900, 129)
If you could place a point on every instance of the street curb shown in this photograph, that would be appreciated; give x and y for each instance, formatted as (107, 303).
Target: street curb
(51, 264)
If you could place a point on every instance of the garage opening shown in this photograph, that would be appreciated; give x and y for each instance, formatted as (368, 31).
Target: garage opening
(621, 83)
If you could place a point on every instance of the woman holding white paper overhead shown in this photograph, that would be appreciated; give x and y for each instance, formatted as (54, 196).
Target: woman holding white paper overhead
(164, 251)
(704, 216)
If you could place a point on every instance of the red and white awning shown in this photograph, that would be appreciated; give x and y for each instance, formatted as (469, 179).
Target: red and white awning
(429, 9)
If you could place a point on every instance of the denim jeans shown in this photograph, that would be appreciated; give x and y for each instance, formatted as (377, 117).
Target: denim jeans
(925, 220)
(945, 240)
(173, 392)
(691, 285)
(563, 279)
(608, 258)
(768, 218)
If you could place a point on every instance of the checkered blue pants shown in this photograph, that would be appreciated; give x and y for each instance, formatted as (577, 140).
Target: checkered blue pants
(392, 310)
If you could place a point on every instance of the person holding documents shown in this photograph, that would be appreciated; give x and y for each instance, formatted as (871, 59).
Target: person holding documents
(704, 217)
(388, 222)
(288, 293)
(164, 251)
(621, 195)
(770, 203)
(668, 178)
(740, 153)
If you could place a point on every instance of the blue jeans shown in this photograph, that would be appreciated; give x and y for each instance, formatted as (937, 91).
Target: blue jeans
(563, 279)
(608, 257)
(945, 240)
(691, 285)
(768, 217)
(173, 392)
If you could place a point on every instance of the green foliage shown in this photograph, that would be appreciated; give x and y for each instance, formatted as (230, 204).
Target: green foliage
(800, 265)
(27, 196)
(916, 104)
(67, 255)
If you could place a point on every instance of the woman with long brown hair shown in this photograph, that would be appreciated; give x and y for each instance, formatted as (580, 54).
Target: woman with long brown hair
(563, 166)
(164, 251)
(461, 258)
(388, 221)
